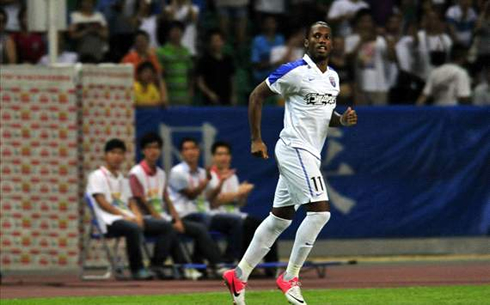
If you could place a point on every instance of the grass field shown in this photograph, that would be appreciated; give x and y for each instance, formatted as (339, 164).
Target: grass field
(464, 295)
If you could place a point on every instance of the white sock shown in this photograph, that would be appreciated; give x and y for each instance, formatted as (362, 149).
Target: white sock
(264, 237)
(303, 243)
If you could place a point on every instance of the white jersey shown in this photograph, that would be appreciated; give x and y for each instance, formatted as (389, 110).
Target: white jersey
(310, 101)
(153, 187)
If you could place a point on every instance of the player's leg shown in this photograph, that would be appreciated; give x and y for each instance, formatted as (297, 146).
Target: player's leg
(265, 236)
(306, 186)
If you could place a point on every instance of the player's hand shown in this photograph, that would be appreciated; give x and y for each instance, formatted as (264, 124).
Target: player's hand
(259, 149)
(349, 118)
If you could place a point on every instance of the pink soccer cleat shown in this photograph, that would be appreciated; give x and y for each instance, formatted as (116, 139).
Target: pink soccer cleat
(236, 287)
(291, 290)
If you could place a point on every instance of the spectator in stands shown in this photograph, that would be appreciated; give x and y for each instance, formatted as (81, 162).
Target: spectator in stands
(177, 61)
(261, 49)
(420, 52)
(342, 13)
(291, 51)
(30, 46)
(122, 26)
(482, 39)
(461, 18)
(64, 56)
(143, 53)
(232, 196)
(191, 187)
(147, 21)
(237, 12)
(117, 211)
(89, 30)
(149, 186)
(12, 8)
(409, 83)
(371, 56)
(146, 92)
(481, 94)
(8, 54)
(449, 84)
(215, 73)
(265, 8)
(188, 14)
(392, 34)
(338, 61)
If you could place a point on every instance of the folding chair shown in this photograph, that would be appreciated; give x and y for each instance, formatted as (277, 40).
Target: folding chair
(116, 265)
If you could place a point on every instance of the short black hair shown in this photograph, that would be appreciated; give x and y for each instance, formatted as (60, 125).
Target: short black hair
(219, 144)
(185, 140)
(322, 23)
(114, 144)
(176, 24)
(142, 33)
(145, 65)
(361, 13)
(150, 138)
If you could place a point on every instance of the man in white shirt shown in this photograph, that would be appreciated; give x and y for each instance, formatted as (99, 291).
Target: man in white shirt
(449, 84)
(310, 88)
(191, 187)
(118, 214)
(149, 187)
(233, 196)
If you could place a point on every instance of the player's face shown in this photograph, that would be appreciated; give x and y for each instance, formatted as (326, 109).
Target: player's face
(222, 157)
(115, 158)
(190, 152)
(319, 43)
(152, 152)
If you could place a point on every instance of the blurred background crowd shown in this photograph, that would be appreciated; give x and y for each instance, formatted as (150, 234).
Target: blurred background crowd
(214, 52)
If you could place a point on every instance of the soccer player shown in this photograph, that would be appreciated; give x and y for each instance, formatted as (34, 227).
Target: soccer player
(310, 88)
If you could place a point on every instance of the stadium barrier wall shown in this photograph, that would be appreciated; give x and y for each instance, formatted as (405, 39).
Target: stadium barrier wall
(401, 172)
(54, 123)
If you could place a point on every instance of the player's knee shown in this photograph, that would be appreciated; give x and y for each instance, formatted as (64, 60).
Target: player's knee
(320, 218)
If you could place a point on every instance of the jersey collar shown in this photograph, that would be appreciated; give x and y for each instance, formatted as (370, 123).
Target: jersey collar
(312, 64)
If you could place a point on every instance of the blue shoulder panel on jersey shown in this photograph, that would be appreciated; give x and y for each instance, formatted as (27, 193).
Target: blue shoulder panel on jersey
(284, 69)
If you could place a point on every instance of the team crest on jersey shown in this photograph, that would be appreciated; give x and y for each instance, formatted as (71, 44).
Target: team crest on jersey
(332, 81)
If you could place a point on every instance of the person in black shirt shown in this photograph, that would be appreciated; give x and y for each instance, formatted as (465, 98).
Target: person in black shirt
(215, 72)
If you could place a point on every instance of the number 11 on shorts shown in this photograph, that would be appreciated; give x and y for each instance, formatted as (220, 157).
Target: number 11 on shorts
(319, 183)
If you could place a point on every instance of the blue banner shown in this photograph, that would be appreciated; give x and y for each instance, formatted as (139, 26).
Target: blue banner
(401, 172)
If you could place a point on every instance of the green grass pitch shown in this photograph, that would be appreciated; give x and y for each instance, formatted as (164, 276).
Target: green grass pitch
(447, 295)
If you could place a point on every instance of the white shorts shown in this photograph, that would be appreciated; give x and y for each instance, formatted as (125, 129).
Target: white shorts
(300, 178)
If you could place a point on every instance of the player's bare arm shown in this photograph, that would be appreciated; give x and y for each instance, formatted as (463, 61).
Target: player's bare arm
(348, 118)
(260, 93)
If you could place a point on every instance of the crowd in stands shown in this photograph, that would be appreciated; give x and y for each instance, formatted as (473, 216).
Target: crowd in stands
(214, 52)
(191, 203)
